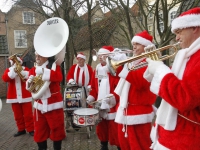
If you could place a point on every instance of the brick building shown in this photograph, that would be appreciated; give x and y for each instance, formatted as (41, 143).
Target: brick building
(3, 53)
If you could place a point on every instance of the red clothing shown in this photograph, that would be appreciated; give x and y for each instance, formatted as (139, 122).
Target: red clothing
(50, 109)
(70, 74)
(106, 130)
(185, 96)
(136, 118)
(20, 100)
(17, 92)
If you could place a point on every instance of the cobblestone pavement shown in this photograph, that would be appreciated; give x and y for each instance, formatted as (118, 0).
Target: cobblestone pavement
(75, 140)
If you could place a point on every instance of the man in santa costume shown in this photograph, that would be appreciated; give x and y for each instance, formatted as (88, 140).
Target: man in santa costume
(80, 73)
(135, 111)
(102, 90)
(48, 112)
(178, 117)
(20, 98)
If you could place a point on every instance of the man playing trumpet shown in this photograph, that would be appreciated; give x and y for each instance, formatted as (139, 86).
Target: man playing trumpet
(178, 117)
(135, 111)
(48, 113)
(19, 97)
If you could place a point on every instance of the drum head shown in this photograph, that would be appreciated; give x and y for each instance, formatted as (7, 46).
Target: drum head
(86, 111)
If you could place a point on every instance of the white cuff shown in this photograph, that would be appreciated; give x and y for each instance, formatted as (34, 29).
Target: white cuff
(46, 74)
(90, 99)
(12, 74)
(161, 71)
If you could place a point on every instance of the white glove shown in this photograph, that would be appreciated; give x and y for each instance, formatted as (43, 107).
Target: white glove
(12, 74)
(153, 65)
(108, 102)
(148, 76)
(28, 82)
(72, 82)
(119, 56)
(38, 70)
(104, 104)
(30, 79)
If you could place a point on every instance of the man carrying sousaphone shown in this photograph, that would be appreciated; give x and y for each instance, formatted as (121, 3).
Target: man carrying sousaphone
(44, 83)
(48, 113)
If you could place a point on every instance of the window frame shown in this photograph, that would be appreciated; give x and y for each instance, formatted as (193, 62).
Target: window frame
(27, 18)
(23, 39)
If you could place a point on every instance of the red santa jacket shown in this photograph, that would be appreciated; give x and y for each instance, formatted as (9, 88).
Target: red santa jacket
(139, 107)
(70, 74)
(113, 80)
(185, 96)
(17, 92)
(55, 101)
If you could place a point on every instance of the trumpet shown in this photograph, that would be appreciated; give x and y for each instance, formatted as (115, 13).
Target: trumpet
(117, 50)
(18, 67)
(113, 65)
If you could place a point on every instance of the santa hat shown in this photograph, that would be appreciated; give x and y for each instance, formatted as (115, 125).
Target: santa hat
(187, 19)
(106, 49)
(143, 38)
(81, 55)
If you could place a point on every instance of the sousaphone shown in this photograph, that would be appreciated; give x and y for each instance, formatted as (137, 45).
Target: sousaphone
(50, 40)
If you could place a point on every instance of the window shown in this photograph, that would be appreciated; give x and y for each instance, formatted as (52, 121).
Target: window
(28, 17)
(20, 39)
(172, 15)
(97, 19)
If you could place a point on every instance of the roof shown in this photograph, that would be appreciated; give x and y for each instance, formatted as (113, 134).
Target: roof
(102, 31)
(3, 45)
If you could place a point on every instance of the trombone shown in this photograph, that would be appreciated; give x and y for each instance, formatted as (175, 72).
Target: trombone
(113, 65)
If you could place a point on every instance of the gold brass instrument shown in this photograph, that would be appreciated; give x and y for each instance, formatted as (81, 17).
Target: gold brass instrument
(18, 67)
(36, 84)
(113, 65)
(49, 40)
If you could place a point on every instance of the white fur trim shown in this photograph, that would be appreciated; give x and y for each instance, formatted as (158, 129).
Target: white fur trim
(12, 74)
(81, 56)
(133, 119)
(159, 146)
(50, 107)
(185, 21)
(103, 50)
(123, 74)
(90, 98)
(29, 99)
(111, 116)
(141, 40)
(46, 74)
(161, 71)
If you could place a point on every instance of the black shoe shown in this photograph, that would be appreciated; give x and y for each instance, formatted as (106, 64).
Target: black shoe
(19, 133)
(31, 133)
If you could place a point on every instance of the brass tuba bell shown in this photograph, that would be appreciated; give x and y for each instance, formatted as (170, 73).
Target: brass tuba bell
(18, 67)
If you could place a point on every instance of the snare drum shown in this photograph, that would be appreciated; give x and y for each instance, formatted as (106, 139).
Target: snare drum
(85, 117)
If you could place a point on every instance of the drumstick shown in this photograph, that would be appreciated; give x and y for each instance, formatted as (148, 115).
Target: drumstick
(98, 100)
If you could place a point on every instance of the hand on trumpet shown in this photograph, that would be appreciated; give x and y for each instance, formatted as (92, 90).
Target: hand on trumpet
(151, 69)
